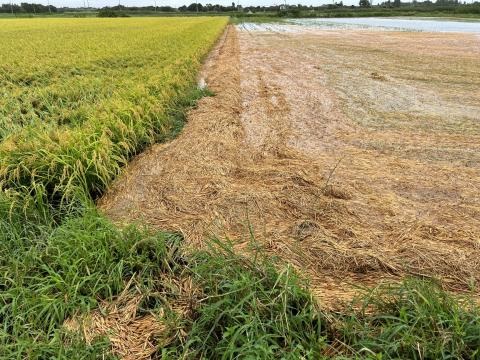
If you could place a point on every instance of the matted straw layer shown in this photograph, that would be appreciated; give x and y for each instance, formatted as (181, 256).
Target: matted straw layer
(134, 332)
(132, 337)
(333, 151)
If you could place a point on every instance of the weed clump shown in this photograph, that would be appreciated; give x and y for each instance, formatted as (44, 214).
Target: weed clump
(412, 320)
(250, 309)
(50, 273)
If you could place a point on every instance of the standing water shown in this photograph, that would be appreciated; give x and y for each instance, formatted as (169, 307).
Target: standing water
(393, 23)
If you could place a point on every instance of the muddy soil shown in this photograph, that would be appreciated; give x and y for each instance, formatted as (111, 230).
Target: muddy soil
(352, 155)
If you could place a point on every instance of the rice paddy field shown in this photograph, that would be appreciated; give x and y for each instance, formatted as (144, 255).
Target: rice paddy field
(91, 94)
(143, 216)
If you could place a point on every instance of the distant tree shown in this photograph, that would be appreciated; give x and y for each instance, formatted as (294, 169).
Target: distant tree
(166, 8)
(364, 3)
(195, 7)
(29, 8)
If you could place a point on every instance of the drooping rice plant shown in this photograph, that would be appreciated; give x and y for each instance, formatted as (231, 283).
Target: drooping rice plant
(79, 97)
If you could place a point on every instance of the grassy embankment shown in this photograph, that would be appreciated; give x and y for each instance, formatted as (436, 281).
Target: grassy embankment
(104, 90)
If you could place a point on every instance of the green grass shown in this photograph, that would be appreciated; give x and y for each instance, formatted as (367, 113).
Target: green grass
(248, 306)
(413, 320)
(257, 19)
(256, 309)
(250, 310)
(50, 273)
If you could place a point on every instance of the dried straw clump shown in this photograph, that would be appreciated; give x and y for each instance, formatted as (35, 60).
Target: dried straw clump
(131, 336)
(134, 335)
(274, 159)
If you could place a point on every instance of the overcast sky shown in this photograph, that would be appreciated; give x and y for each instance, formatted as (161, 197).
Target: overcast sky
(175, 3)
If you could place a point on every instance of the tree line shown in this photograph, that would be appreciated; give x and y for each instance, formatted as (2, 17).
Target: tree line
(290, 10)
(27, 8)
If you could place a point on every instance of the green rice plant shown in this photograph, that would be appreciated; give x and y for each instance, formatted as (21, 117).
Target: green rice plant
(104, 90)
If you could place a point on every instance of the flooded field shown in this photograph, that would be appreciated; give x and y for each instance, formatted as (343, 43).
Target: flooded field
(393, 23)
(371, 24)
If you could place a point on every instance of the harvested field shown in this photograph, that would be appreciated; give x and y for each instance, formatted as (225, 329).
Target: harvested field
(353, 155)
